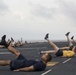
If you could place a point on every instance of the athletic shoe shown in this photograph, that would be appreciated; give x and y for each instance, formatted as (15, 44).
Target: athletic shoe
(67, 33)
(12, 39)
(72, 37)
(46, 37)
(3, 41)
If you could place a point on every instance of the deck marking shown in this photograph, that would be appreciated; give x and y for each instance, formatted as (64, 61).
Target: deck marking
(52, 63)
(46, 72)
(32, 48)
(25, 48)
(5, 53)
(67, 60)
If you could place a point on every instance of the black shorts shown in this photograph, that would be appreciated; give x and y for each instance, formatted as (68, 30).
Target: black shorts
(59, 53)
(18, 63)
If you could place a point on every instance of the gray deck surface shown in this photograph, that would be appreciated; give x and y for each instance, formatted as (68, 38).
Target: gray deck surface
(30, 52)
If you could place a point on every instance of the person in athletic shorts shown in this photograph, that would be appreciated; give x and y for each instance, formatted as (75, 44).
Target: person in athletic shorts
(70, 46)
(59, 52)
(72, 38)
(21, 63)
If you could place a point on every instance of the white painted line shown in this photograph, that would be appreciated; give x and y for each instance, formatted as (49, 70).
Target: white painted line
(67, 60)
(5, 53)
(32, 48)
(25, 48)
(46, 72)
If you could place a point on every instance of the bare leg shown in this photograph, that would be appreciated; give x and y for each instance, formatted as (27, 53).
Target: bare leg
(64, 48)
(73, 39)
(4, 62)
(11, 49)
(14, 51)
(70, 43)
(53, 45)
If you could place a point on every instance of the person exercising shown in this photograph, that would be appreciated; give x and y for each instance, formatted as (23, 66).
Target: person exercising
(21, 63)
(63, 52)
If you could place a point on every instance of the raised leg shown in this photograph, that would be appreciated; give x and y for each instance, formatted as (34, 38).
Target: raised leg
(10, 48)
(56, 48)
(69, 41)
(73, 39)
(14, 51)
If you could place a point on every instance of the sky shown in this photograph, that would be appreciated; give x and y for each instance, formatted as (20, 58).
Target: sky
(32, 19)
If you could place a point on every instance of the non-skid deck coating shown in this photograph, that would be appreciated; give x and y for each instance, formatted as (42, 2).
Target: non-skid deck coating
(65, 66)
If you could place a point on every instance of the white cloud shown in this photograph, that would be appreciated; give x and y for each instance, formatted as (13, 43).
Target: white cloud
(68, 7)
(32, 19)
(18, 14)
(3, 8)
(43, 12)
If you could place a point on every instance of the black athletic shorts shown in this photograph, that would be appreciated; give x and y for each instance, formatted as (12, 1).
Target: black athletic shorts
(59, 53)
(17, 63)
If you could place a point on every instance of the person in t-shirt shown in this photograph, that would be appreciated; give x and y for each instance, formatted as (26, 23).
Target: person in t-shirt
(70, 44)
(72, 38)
(63, 52)
(21, 63)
